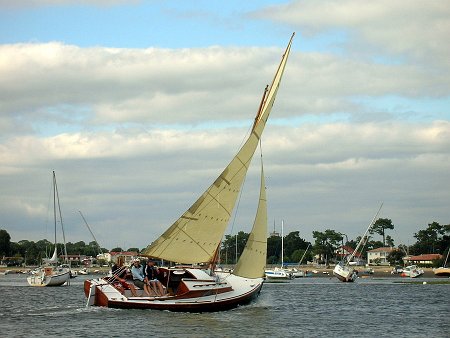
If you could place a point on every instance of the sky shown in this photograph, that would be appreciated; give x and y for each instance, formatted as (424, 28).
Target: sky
(139, 105)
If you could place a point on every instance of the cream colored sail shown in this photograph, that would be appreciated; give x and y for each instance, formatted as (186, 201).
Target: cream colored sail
(196, 235)
(252, 262)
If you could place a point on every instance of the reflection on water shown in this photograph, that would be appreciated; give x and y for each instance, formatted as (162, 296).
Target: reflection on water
(309, 307)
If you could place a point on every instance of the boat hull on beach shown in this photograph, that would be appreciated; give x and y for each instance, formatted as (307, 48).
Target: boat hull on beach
(442, 272)
(344, 273)
(196, 292)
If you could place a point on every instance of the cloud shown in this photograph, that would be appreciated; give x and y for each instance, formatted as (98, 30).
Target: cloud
(414, 30)
(53, 85)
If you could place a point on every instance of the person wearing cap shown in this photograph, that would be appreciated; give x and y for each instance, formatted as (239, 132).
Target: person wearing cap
(151, 277)
(138, 276)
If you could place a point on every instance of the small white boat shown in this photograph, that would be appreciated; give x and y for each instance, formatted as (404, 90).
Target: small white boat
(49, 276)
(83, 271)
(412, 271)
(50, 273)
(344, 271)
(278, 275)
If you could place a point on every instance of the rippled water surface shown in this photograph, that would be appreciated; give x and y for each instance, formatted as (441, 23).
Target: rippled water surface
(309, 307)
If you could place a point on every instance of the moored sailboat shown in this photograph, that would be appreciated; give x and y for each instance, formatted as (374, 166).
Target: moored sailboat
(196, 236)
(51, 273)
(343, 270)
(279, 274)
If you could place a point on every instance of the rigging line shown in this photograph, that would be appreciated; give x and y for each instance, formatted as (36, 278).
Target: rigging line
(89, 228)
(61, 220)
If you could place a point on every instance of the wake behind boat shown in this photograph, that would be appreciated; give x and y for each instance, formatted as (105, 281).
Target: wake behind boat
(196, 237)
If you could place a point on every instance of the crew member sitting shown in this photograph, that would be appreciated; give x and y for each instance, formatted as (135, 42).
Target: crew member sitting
(138, 276)
(151, 277)
(119, 272)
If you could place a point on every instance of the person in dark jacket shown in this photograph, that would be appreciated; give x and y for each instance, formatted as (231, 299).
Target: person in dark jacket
(151, 278)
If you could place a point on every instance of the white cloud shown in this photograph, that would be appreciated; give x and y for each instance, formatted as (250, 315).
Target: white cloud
(414, 29)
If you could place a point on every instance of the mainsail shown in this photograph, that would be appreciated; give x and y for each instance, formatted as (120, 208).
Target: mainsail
(252, 262)
(196, 235)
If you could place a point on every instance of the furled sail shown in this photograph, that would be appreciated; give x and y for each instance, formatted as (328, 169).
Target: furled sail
(252, 262)
(196, 235)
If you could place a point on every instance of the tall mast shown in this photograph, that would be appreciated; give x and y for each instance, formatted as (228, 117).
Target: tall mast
(364, 236)
(282, 243)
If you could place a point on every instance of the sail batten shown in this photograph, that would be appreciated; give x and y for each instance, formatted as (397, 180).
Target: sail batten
(207, 219)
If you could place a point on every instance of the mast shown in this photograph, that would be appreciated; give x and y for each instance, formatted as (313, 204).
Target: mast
(282, 243)
(61, 220)
(196, 234)
(364, 236)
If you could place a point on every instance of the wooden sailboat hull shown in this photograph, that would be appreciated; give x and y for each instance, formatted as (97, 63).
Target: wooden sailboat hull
(442, 272)
(193, 295)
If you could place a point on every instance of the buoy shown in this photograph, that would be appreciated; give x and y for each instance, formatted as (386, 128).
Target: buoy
(424, 283)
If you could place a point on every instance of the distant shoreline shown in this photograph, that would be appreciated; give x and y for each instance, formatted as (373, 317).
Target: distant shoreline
(378, 271)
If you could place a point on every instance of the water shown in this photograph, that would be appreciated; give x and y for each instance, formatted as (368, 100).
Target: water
(308, 307)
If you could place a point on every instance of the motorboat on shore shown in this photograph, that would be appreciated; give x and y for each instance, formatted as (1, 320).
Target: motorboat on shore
(412, 271)
(196, 238)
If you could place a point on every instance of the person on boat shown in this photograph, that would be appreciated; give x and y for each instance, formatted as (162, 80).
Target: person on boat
(137, 271)
(151, 277)
(119, 272)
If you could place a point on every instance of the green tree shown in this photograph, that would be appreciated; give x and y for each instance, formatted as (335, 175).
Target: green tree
(390, 241)
(228, 249)
(274, 250)
(118, 249)
(5, 243)
(434, 239)
(395, 257)
(134, 249)
(380, 227)
(326, 244)
(293, 242)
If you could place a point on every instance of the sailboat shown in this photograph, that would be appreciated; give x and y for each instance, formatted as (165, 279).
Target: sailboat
(443, 271)
(279, 274)
(343, 271)
(50, 273)
(196, 236)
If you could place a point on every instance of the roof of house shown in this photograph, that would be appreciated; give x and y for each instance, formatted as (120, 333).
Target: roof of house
(383, 249)
(349, 250)
(426, 257)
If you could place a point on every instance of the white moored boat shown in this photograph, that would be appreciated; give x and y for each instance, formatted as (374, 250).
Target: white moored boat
(196, 237)
(412, 271)
(50, 273)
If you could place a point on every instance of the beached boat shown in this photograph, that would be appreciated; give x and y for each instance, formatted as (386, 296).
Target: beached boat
(412, 271)
(344, 271)
(50, 273)
(443, 271)
(196, 236)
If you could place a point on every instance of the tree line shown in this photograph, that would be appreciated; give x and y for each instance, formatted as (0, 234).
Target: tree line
(435, 238)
